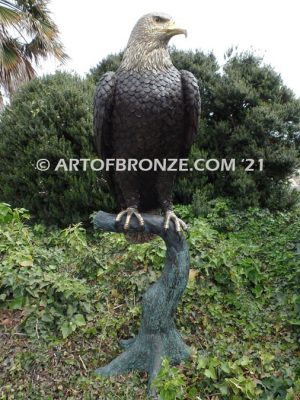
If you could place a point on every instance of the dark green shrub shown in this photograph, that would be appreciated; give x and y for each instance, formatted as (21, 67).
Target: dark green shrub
(247, 113)
(50, 118)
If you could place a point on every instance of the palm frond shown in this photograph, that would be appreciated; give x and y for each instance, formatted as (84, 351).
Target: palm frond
(12, 4)
(14, 65)
(8, 15)
(27, 34)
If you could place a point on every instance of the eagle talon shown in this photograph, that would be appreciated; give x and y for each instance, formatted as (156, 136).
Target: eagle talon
(179, 224)
(129, 212)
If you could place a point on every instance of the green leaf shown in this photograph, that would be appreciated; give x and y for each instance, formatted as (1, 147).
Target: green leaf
(223, 389)
(266, 358)
(201, 362)
(211, 373)
(225, 368)
(66, 330)
(295, 322)
(2, 296)
(17, 303)
(245, 360)
(79, 320)
(26, 263)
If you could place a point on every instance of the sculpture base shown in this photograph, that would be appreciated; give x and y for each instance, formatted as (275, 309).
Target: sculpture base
(145, 353)
(157, 337)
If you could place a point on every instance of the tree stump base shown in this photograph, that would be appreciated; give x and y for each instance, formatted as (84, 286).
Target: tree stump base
(157, 337)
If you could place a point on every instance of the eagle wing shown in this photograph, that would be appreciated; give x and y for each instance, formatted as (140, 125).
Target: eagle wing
(103, 106)
(192, 106)
(103, 135)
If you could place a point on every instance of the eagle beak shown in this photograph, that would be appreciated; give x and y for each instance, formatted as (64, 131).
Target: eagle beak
(173, 30)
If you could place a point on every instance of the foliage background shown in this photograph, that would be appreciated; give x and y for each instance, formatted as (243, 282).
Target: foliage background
(50, 118)
(72, 294)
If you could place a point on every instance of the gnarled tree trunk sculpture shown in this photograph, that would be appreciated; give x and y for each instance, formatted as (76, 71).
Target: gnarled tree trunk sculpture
(157, 337)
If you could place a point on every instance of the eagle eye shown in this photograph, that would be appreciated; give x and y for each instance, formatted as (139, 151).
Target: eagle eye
(159, 19)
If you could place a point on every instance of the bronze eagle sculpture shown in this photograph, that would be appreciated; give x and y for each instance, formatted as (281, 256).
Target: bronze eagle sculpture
(147, 109)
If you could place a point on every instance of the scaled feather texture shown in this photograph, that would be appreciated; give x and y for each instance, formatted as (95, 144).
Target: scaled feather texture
(147, 109)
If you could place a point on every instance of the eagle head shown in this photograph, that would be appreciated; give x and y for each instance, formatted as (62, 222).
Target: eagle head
(147, 45)
(156, 28)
